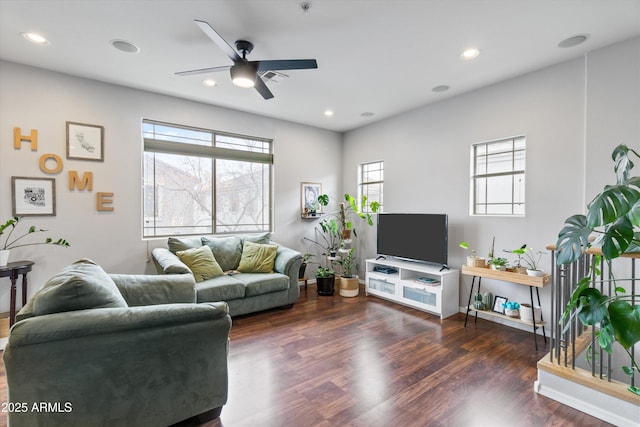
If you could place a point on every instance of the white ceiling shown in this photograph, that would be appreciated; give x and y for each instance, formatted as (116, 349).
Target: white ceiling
(376, 56)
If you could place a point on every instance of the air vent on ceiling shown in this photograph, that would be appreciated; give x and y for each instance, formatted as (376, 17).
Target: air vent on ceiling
(272, 76)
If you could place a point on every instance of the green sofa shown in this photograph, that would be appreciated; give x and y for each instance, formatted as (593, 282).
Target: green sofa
(98, 349)
(245, 291)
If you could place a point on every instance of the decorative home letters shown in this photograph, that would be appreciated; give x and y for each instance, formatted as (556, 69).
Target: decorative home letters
(50, 156)
(51, 163)
(18, 138)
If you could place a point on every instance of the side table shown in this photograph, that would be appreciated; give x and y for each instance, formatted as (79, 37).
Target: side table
(12, 270)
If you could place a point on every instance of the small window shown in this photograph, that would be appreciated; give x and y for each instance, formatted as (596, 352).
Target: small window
(371, 183)
(498, 177)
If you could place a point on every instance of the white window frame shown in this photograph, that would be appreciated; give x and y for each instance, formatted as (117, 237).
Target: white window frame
(164, 144)
(363, 184)
(479, 178)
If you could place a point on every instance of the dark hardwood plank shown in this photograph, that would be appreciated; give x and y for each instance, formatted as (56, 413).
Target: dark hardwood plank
(334, 361)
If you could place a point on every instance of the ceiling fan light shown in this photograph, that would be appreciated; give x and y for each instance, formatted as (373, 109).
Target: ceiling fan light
(243, 75)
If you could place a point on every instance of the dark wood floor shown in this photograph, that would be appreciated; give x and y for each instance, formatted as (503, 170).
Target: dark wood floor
(333, 361)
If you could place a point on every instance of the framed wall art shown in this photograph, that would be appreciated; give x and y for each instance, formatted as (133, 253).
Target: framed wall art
(498, 304)
(33, 196)
(85, 142)
(309, 192)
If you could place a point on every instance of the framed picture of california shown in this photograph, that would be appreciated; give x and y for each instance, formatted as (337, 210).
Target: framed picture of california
(85, 142)
(33, 196)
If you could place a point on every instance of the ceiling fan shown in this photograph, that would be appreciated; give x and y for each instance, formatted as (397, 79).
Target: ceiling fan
(244, 73)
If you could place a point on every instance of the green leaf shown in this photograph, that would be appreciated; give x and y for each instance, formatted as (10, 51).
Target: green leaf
(605, 337)
(32, 229)
(323, 199)
(594, 309)
(625, 320)
(628, 370)
(617, 238)
(615, 201)
(572, 239)
(623, 164)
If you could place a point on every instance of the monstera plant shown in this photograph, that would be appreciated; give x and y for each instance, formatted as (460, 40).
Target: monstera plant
(613, 218)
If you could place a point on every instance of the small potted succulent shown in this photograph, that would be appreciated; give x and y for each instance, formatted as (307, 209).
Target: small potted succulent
(518, 266)
(498, 263)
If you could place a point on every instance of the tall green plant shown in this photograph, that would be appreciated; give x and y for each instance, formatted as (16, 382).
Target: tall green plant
(613, 216)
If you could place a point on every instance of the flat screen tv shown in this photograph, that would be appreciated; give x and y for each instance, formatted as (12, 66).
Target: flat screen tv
(413, 236)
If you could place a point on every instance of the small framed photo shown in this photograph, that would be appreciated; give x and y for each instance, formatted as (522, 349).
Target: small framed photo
(309, 192)
(497, 304)
(33, 196)
(85, 142)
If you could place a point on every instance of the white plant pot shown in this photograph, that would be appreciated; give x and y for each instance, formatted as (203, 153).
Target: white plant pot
(4, 257)
(537, 273)
(498, 267)
(526, 314)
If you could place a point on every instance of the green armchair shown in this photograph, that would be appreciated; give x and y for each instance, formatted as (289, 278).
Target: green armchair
(92, 349)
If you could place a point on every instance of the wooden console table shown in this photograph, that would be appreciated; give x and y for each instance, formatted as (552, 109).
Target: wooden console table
(12, 270)
(532, 282)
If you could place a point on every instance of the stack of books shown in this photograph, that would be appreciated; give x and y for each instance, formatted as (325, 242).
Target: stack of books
(427, 281)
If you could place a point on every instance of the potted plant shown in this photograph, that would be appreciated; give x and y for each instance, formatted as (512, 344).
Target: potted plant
(12, 241)
(532, 261)
(348, 282)
(473, 260)
(498, 263)
(519, 253)
(341, 226)
(614, 217)
(325, 280)
(303, 265)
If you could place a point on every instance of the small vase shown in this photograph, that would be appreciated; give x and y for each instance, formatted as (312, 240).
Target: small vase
(4, 257)
(536, 273)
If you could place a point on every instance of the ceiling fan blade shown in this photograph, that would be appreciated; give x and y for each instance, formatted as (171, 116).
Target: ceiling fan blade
(217, 39)
(203, 70)
(286, 64)
(263, 89)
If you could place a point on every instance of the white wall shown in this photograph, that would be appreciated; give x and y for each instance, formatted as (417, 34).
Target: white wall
(426, 152)
(32, 98)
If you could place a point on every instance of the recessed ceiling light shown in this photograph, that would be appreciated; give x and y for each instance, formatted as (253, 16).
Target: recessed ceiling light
(210, 82)
(35, 38)
(328, 113)
(470, 54)
(441, 88)
(125, 46)
(367, 114)
(574, 40)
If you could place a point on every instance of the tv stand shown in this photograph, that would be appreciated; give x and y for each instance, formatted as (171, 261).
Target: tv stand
(422, 286)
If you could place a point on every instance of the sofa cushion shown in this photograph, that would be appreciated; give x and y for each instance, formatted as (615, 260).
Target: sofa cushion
(223, 288)
(80, 286)
(226, 250)
(201, 263)
(176, 244)
(262, 283)
(257, 258)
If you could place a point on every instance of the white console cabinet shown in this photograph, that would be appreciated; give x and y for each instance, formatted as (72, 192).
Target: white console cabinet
(422, 286)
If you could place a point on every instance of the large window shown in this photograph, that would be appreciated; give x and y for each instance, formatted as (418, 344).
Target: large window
(199, 181)
(497, 177)
(371, 183)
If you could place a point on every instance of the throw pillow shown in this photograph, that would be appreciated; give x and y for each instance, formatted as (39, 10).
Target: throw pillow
(80, 286)
(176, 244)
(201, 262)
(226, 250)
(257, 238)
(257, 258)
